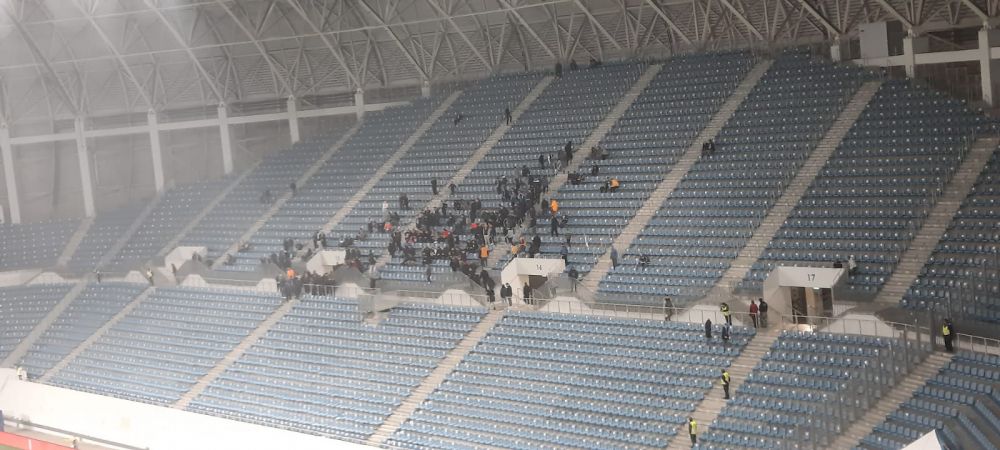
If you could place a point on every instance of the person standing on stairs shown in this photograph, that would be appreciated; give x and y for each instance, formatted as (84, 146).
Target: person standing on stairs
(693, 430)
(541, 160)
(614, 258)
(725, 313)
(763, 312)
(948, 334)
(507, 116)
(754, 310)
(725, 382)
(434, 186)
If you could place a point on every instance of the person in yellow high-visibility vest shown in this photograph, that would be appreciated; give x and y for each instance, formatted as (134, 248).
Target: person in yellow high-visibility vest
(725, 382)
(725, 313)
(948, 335)
(693, 430)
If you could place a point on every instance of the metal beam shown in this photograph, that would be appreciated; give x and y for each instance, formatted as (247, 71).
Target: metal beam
(889, 9)
(212, 83)
(37, 54)
(531, 31)
(742, 18)
(260, 48)
(822, 20)
(326, 42)
(594, 22)
(118, 57)
(976, 9)
(668, 21)
(395, 38)
(461, 33)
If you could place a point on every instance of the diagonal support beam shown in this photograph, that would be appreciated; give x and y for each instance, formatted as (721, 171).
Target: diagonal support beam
(742, 18)
(212, 83)
(595, 23)
(531, 31)
(326, 41)
(37, 54)
(822, 20)
(666, 19)
(446, 16)
(976, 10)
(118, 56)
(889, 9)
(260, 48)
(395, 38)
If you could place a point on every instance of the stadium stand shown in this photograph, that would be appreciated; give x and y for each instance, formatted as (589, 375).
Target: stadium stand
(158, 351)
(961, 276)
(701, 227)
(569, 381)
(35, 245)
(243, 205)
(106, 230)
(962, 403)
(173, 211)
(91, 309)
(809, 387)
(877, 188)
(323, 370)
(328, 190)
(642, 147)
(22, 308)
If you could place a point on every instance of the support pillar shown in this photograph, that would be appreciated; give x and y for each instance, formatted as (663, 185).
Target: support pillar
(154, 148)
(986, 65)
(227, 147)
(7, 151)
(835, 50)
(425, 89)
(83, 157)
(909, 58)
(359, 102)
(293, 120)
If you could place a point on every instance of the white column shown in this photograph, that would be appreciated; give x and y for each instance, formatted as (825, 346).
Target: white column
(293, 119)
(154, 148)
(835, 50)
(985, 65)
(425, 89)
(7, 151)
(83, 157)
(359, 102)
(227, 146)
(909, 58)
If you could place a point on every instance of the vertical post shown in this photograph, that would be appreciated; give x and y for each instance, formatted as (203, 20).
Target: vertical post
(227, 148)
(83, 157)
(909, 58)
(835, 50)
(985, 65)
(425, 89)
(154, 147)
(13, 202)
(359, 103)
(293, 119)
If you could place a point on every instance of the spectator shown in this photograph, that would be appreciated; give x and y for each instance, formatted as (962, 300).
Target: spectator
(506, 292)
(507, 116)
(98, 275)
(484, 255)
(724, 308)
(754, 310)
(573, 277)
(614, 184)
(452, 187)
(553, 227)
(852, 266)
(458, 118)
(434, 186)
(385, 207)
(554, 207)
(428, 273)
(527, 294)
(708, 328)
(569, 150)
(564, 253)
(763, 312)
(643, 261)
(725, 382)
(726, 328)
(541, 161)
(490, 296)
(668, 308)
(293, 188)
(149, 276)
(614, 257)
(594, 169)
(525, 171)
(404, 202)
(21, 373)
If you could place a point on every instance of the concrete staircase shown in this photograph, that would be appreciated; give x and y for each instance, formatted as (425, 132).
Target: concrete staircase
(710, 407)
(235, 354)
(676, 174)
(440, 373)
(798, 186)
(891, 401)
(480, 153)
(583, 150)
(390, 163)
(132, 229)
(301, 181)
(204, 211)
(923, 244)
(74, 241)
(39, 329)
(97, 335)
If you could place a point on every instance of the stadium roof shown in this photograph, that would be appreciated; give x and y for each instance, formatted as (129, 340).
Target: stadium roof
(66, 58)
